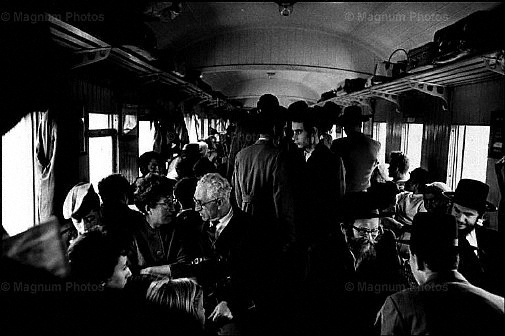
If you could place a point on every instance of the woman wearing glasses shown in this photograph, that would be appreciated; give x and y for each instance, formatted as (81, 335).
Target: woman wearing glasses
(154, 242)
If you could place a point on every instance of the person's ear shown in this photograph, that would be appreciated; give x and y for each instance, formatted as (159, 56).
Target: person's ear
(147, 208)
(315, 132)
(342, 228)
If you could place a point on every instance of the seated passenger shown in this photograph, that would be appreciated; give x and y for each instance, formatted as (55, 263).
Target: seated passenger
(480, 248)
(398, 169)
(189, 157)
(378, 271)
(174, 307)
(151, 162)
(154, 246)
(409, 202)
(193, 238)
(445, 303)
(204, 165)
(82, 206)
(99, 273)
(148, 163)
(383, 190)
(98, 258)
(116, 215)
(434, 200)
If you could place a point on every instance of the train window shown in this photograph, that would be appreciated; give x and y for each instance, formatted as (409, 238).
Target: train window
(193, 123)
(411, 143)
(102, 121)
(467, 153)
(18, 185)
(379, 134)
(101, 147)
(146, 136)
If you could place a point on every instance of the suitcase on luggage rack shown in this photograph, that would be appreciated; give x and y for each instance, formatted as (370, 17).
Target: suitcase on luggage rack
(477, 33)
(421, 58)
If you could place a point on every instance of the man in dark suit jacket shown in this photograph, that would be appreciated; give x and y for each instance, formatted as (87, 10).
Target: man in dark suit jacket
(261, 181)
(320, 189)
(480, 248)
(239, 252)
(322, 182)
(358, 151)
(445, 303)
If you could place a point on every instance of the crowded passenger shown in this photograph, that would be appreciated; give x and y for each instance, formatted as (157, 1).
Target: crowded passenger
(479, 247)
(174, 307)
(82, 206)
(204, 164)
(261, 181)
(153, 244)
(98, 263)
(320, 188)
(358, 151)
(194, 240)
(383, 191)
(189, 157)
(409, 202)
(235, 288)
(445, 303)
(398, 169)
(321, 185)
(117, 217)
(377, 267)
(151, 162)
(434, 200)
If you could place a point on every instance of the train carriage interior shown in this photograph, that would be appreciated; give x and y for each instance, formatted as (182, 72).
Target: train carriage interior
(90, 86)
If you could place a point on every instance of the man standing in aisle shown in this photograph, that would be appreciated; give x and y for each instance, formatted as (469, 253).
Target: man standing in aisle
(358, 151)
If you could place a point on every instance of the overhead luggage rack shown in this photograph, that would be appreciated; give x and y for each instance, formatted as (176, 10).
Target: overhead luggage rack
(434, 81)
(93, 50)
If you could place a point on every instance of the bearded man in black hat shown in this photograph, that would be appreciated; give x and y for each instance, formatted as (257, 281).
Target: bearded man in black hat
(445, 303)
(479, 246)
(377, 268)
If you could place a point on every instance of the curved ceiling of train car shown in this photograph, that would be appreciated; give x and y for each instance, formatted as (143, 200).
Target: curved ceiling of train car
(246, 49)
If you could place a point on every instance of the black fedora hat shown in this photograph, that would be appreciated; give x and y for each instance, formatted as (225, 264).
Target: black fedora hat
(471, 194)
(352, 113)
(360, 206)
(433, 233)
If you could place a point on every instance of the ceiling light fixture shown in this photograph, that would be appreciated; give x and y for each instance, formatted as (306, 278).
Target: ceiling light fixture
(285, 8)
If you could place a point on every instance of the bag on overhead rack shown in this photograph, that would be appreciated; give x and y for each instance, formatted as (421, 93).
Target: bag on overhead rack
(421, 58)
(476, 33)
(387, 71)
(327, 95)
(353, 85)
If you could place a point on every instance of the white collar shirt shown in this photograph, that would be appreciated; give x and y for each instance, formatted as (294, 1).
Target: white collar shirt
(223, 222)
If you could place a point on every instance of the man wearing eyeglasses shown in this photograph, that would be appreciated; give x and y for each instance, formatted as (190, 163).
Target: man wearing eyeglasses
(237, 248)
(376, 262)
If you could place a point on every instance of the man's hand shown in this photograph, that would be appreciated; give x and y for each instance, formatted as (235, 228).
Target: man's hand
(163, 270)
(221, 311)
